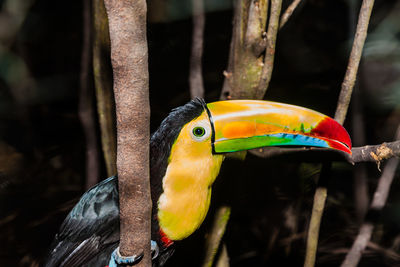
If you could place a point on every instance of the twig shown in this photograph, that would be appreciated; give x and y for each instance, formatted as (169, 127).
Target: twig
(214, 239)
(129, 57)
(288, 12)
(354, 60)
(272, 32)
(195, 75)
(340, 115)
(387, 252)
(318, 209)
(376, 153)
(378, 202)
(370, 153)
(102, 73)
(315, 222)
(86, 105)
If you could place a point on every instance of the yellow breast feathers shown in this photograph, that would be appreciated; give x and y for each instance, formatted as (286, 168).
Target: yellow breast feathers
(187, 182)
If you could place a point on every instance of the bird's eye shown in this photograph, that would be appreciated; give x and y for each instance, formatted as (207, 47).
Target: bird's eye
(199, 131)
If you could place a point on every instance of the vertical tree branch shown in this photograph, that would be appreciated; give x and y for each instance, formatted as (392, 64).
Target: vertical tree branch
(103, 83)
(340, 115)
(127, 22)
(246, 59)
(288, 12)
(249, 68)
(249, 71)
(241, 80)
(354, 60)
(272, 32)
(195, 75)
(318, 209)
(378, 202)
(86, 105)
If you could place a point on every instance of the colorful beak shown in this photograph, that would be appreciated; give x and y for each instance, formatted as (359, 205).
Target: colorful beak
(247, 124)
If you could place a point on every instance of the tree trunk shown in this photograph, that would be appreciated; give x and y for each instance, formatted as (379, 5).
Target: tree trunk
(129, 58)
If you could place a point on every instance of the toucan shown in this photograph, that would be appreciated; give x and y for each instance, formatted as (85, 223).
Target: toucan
(186, 153)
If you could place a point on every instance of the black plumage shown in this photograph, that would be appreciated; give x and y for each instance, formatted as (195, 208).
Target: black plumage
(90, 232)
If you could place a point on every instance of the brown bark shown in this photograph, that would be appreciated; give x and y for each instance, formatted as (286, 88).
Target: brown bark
(246, 60)
(315, 223)
(376, 153)
(129, 57)
(241, 81)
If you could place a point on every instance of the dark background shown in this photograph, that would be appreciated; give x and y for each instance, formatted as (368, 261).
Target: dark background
(42, 146)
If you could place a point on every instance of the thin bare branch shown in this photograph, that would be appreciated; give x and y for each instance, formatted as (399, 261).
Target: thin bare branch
(370, 153)
(195, 75)
(288, 12)
(214, 238)
(378, 202)
(129, 57)
(313, 230)
(340, 115)
(373, 248)
(272, 32)
(86, 105)
(376, 153)
(102, 72)
(354, 60)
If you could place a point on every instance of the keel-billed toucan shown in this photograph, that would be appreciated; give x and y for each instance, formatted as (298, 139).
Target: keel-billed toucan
(186, 153)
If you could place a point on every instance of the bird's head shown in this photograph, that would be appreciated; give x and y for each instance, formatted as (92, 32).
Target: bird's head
(189, 147)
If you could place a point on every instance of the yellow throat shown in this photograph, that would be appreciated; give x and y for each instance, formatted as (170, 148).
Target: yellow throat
(191, 171)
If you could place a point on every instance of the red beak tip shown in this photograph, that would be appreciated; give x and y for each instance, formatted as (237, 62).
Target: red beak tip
(331, 129)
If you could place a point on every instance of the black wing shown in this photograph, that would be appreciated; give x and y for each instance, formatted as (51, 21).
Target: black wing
(90, 229)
